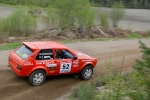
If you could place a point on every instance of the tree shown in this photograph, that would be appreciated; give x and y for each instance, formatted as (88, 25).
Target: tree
(143, 67)
(135, 3)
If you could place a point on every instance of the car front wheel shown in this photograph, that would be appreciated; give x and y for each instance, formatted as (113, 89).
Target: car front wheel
(87, 73)
(38, 77)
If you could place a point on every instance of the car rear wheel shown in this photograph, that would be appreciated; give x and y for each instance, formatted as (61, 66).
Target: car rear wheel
(38, 77)
(87, 72)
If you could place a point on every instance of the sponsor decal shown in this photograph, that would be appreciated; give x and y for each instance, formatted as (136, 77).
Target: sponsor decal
(48, 57)
(46, 53)
(17, 56)
(82, 54)
(44, 62)
(65, 67)
(75, 62)
(24, 56)
(50, 65)
(53, 68)
(66, 61)
(52, 71)
(75, 65)
(28, 63)
(87, 60)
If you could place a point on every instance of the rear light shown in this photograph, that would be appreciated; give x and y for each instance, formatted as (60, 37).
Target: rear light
(19, 67)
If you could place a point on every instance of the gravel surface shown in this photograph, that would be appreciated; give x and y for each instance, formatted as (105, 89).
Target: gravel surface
(13, 87)
(134, 19)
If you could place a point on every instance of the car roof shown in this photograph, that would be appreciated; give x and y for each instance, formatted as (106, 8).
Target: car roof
(45, 45)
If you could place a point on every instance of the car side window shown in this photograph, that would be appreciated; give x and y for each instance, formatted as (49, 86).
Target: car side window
(63, 54)
(45, 54)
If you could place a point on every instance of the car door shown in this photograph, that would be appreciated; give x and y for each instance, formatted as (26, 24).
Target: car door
(65, 61)
(46, 58)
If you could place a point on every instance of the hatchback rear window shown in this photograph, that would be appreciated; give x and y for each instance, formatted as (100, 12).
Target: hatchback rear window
(24, 52)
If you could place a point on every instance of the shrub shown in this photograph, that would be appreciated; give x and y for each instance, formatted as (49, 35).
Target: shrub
(83, 92)
(104, 19)
(19, 23)
(51, 18)
(70, 12)
(117, 13)
(1, 35)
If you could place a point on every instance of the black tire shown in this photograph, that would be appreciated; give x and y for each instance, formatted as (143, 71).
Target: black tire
(87, 73)
(37, 78)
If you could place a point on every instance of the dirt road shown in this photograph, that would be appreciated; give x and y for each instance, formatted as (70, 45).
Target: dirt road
(14, 88)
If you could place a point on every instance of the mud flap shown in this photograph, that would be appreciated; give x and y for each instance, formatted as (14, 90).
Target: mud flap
(76, 75)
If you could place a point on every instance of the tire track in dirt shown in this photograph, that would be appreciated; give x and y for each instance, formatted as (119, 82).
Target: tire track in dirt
(13, 87)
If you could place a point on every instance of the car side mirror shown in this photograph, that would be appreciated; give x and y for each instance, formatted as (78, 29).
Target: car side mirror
(75, 57)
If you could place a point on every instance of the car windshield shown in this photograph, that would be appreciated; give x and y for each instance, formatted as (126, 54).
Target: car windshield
(67, 54)
(24, 52)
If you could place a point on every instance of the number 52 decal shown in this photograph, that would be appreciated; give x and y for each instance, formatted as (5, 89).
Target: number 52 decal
(65, 67)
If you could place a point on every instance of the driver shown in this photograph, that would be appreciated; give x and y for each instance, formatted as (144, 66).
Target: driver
(59, 54)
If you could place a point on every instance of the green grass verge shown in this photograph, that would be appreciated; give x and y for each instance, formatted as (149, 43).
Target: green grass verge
(134, 35)
(9, 46)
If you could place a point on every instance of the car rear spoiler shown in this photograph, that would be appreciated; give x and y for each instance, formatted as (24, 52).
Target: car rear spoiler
(30, 45)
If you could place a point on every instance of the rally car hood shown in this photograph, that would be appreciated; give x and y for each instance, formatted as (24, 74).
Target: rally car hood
(81, 55)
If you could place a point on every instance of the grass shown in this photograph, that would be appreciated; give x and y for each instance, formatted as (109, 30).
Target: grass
(9, 46)
(104, 39)
(134, 35)
(148, 37)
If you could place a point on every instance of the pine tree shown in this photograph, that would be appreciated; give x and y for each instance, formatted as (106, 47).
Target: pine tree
(143, 67)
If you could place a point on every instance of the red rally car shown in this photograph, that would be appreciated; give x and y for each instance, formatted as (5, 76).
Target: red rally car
(36, 60)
